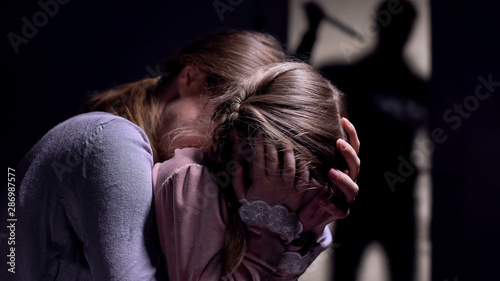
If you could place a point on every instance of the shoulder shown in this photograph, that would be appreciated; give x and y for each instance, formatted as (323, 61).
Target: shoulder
(103, 142)
(107, 131)
(85, 128)
(90, 136)
(104, 124)
(112, 141)
(183, 160)
(184, 183)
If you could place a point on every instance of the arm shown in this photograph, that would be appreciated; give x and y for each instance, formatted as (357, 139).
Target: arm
(275, 195)
(314, 211)
(297, 259)
(191, 222)
(318, 212)
(114, 216)
(192, 216)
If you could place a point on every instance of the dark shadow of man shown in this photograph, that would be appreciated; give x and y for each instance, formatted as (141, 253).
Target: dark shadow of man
(386, 103)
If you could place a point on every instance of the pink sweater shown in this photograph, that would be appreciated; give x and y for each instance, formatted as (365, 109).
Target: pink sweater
(192, 216)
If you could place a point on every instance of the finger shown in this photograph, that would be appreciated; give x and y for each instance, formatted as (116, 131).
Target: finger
(312, 207)
(326, 211)
(313, 214)
(288, 163)
(350, 157)
(351, 132)
(332, 211)
(309, 193)
(272, 161)
(238, 182)
(259, 164)
(293, 200)
(345, 184)
(303, 180)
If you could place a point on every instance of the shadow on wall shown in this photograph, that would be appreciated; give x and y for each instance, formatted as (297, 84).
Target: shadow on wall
(387, 103)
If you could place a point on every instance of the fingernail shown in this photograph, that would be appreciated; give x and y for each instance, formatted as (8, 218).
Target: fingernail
(343, 144)
(333, 174)
(347, 121)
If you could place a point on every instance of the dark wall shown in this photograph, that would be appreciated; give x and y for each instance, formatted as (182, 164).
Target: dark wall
(73, 47)
(93, 45)
(466, 217)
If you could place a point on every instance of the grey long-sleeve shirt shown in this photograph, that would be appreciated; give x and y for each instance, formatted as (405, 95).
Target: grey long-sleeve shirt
(84, 204)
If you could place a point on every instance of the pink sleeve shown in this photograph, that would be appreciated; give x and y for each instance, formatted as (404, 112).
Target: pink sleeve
(296, 260)
(301, 248)
(264, 252)
(191, 216)
(191, 225)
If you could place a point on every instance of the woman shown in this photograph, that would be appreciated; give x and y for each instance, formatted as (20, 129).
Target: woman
(85, 187)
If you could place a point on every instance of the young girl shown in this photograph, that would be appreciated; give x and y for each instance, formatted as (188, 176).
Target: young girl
(277, 130)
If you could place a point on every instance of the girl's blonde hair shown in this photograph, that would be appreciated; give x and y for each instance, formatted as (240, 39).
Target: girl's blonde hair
(287, 101)
(224, 56)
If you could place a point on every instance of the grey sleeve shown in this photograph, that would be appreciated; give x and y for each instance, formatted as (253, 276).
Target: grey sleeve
(112, 209)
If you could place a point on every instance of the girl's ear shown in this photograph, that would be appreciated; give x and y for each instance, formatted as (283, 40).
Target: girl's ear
(191, 81)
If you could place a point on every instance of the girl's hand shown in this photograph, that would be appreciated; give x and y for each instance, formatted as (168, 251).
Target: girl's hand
(345, 182)
(350, 151)
(320, 211)
(272, 184)
(276, 186)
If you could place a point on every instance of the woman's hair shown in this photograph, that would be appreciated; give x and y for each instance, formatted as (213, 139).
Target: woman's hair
(287, 101)
(224, 57)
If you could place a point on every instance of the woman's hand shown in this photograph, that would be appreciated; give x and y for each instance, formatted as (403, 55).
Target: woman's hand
(271, 183)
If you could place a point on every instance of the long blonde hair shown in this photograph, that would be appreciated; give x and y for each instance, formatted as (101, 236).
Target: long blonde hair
(282, 101)
(224, 56)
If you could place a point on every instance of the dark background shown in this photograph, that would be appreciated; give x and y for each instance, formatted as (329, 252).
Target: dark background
(466, 217)
(93, 45)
